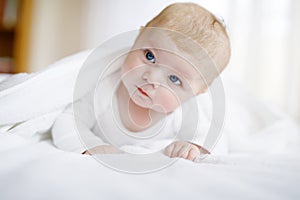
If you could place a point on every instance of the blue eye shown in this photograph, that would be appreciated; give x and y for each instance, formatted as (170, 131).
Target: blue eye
(149, 55)
(175, 79)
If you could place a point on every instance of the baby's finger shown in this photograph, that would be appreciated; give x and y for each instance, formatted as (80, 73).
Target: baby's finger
(111, 149)
(168, 150)
(96, 151)
(193, 154)
(184, 151)
(176, 149)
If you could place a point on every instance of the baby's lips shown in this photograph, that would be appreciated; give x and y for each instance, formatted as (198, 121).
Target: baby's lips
(143, 92)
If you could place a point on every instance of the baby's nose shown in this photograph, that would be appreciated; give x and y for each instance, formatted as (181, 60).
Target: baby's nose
(152, 78)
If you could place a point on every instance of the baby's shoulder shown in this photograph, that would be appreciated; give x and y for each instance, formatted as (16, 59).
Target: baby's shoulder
(105, 91)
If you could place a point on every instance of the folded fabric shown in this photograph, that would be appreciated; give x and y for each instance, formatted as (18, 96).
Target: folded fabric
(27, 96)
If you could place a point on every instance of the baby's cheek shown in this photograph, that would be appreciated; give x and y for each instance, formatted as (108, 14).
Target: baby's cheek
(168, 101)
(128, 67)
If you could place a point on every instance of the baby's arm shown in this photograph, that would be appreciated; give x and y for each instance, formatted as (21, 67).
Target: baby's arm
(65, 136)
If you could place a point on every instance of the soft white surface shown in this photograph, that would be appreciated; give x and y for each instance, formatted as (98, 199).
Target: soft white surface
(3, 77)
(263, 160)
(37, 170)
(41, 92)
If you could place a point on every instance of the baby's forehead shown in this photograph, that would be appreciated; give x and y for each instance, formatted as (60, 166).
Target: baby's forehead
(174, 60)
(156, 40)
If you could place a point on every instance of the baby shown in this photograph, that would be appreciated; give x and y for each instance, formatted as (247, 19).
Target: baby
(153, 82)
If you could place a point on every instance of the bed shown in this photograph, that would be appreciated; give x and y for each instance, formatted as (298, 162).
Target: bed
(262, 162)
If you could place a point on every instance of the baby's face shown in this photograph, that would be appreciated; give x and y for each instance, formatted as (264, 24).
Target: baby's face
(159, 80)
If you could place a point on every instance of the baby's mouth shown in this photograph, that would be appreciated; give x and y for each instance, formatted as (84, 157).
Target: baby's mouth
(142, 91)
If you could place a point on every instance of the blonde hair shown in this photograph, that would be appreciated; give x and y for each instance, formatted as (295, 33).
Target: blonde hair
(198, 24)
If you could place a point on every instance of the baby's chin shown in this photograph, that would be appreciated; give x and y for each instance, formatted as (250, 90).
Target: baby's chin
(161, 109)
(156, 108)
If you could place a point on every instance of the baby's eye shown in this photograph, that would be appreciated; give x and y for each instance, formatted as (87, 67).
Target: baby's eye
(175, 79)
(149, 56)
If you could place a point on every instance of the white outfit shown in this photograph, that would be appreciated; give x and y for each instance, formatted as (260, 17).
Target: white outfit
(108, 128)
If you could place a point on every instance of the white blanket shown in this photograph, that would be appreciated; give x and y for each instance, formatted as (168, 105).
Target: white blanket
(37, 170)
(263, 146)
(26, 96)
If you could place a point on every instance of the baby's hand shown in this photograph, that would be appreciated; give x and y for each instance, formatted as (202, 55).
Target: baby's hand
(184, 150)
(102, 149)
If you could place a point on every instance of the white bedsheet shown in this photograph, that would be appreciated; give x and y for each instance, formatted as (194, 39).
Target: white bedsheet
(263, 160)
(37, 170)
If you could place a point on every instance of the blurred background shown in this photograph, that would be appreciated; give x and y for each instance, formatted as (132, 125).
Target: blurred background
(264, 35)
